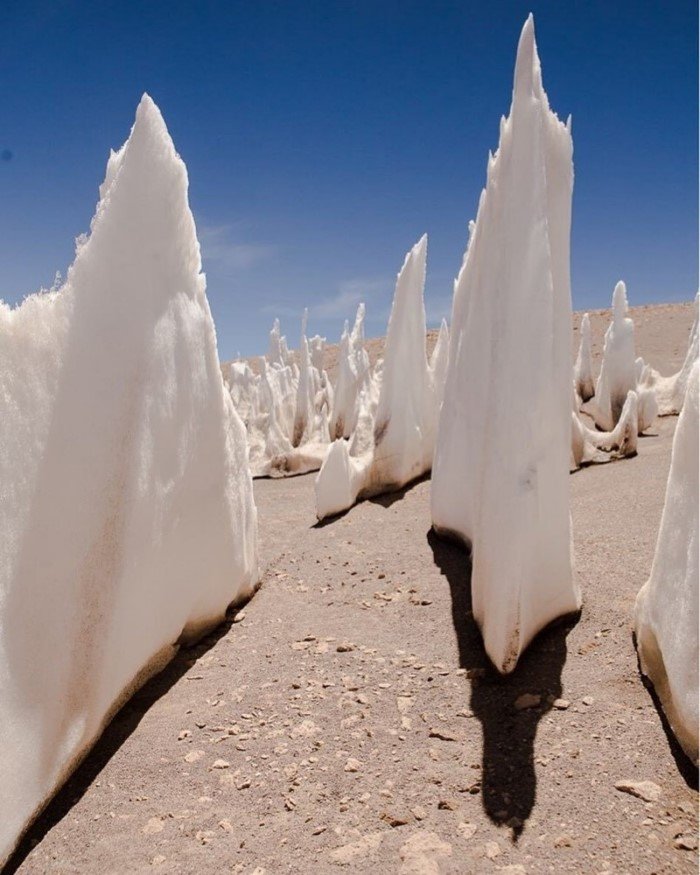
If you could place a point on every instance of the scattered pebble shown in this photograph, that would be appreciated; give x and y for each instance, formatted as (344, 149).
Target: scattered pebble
(646, 790)
(193, 756)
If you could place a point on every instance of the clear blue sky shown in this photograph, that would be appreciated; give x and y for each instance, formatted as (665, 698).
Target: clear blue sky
(323, 138)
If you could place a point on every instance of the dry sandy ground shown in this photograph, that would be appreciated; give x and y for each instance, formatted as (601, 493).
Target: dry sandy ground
(350, 723)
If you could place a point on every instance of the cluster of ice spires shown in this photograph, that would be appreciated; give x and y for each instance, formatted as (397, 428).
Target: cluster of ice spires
(286, 406)
(395, 410)
(376, 430)
(127, 523)
(628, 394)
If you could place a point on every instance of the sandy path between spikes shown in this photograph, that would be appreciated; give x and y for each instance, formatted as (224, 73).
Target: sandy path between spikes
(349, 723)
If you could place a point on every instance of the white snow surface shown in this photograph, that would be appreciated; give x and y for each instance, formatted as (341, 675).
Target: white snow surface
(501, 472)
(127, 523)
(666, 611)
(394, 445)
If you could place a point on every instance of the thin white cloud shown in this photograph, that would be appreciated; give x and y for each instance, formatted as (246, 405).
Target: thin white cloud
(219, 245)
(373, 291)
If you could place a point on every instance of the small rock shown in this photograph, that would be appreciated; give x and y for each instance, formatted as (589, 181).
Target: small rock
(492, 850)
(442, 734)
(421, 854)
(404, 703)
(448, 805)
(243, 785)
(352, 765)
(561, 704)
(646, 790)
(193, 756)
(158, 860)
(467, 830)
(395, 818)
(419, 813)
(226, 825)
(361, 849)
(346, 647)
(154, 825)
(588, 700)
(685, 843)
(562, 841)
(527, 700)
(239, 617)
(221, 764)
(184, 734)
(318, 830)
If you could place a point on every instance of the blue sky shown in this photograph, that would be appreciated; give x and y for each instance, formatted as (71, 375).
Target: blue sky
(323, 138)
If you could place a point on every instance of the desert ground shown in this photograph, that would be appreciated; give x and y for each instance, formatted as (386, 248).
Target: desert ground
(347, 720)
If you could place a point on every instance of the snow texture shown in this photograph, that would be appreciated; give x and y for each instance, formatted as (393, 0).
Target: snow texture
(394, 445)
(666, 612)
(286, 407)
(583, 369)
(500, 478)
(127, 523)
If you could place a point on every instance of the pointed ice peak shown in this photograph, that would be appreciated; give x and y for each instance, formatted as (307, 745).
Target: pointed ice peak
(527, 77)
(304, 322)
(619, 302)
(415, 256)
(358, 331)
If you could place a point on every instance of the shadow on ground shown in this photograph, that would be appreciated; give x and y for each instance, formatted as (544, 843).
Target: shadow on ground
(509, 780)
(385, 499)
(686, 768)
(123, 724)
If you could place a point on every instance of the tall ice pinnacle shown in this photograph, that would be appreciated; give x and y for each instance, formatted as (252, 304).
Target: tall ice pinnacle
(129, 523)
(500, 475)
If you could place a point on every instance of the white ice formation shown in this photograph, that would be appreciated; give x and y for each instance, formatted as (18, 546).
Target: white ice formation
(670, 391)
(394, 445)
(666, 612)
(500, 477)
(285, 407)
(621, 372)
(590, 446)
(353, 375)
(583, 369)
(127, 524)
